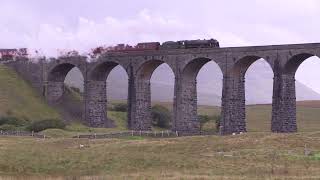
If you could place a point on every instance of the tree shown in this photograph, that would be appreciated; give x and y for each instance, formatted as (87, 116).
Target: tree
(217, 120)
(121, 107)
(203, 119)
(161, 116)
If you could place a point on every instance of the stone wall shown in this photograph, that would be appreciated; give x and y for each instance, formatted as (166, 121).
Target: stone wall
(95, 104)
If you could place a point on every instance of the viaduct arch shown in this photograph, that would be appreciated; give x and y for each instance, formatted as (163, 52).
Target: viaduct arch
(185, 101)
(95, 88)
(185, 63)
(55, 75)
(142, 118)
(237, 85)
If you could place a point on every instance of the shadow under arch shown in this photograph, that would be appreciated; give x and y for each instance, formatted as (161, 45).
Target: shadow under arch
(142, 114)
(101, 71)
(295, 61)
(146, 69)
(191, 70)
(60, 71)
(242, 65)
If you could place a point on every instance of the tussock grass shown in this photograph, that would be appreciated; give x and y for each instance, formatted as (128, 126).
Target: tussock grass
(247, 156)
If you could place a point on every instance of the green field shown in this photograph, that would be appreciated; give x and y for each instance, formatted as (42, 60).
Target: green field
(248, 156)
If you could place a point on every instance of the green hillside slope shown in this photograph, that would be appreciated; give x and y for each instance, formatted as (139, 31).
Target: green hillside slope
(18, 98)
(70, 106)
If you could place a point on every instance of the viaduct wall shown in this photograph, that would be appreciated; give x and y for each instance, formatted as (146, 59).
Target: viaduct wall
(48, 77)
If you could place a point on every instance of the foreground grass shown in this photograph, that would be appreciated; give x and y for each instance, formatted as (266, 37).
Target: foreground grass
(252, 155)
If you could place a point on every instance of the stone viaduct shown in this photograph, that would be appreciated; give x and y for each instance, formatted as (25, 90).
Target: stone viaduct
(48, 77)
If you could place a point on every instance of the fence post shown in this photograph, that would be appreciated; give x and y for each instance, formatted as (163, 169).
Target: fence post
(140, 132)
(161, 133)
(131, 132)
(168, 133)
(220, 130)
(177, 133)
(32, 133)
(95, 135)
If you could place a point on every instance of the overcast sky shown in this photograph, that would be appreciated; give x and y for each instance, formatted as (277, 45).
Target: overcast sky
(82, 24)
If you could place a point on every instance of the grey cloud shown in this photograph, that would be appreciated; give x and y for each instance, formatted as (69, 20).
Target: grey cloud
(82, 24)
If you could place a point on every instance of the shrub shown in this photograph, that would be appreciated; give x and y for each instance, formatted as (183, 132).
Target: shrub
(8, 127)
(75, 89)
(217, 119)
(37, 126)
(161, 116)
(121, 107)
(12, 121)
(203, 119)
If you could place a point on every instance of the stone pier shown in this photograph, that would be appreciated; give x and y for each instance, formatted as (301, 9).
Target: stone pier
(185, 106)
(96, 104)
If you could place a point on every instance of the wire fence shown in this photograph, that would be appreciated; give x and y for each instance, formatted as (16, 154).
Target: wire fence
(157, 134)
(22, 133)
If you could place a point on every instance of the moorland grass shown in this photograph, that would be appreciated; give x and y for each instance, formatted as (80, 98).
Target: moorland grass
(251, 156)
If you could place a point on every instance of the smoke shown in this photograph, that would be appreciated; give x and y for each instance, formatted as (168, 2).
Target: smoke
(51, 39)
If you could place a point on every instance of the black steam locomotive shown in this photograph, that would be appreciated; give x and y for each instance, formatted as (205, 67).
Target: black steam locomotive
(188, 44)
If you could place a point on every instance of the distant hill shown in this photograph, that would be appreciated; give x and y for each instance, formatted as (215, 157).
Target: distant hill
(259, 82)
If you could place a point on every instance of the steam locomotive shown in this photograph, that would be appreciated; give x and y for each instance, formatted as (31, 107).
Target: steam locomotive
(189, 44)
(185, 44)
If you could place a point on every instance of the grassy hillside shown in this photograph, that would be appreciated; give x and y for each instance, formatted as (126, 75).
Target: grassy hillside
(18, 98)
(265, 155)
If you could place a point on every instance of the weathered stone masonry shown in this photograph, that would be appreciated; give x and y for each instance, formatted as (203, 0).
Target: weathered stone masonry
(48, 78)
